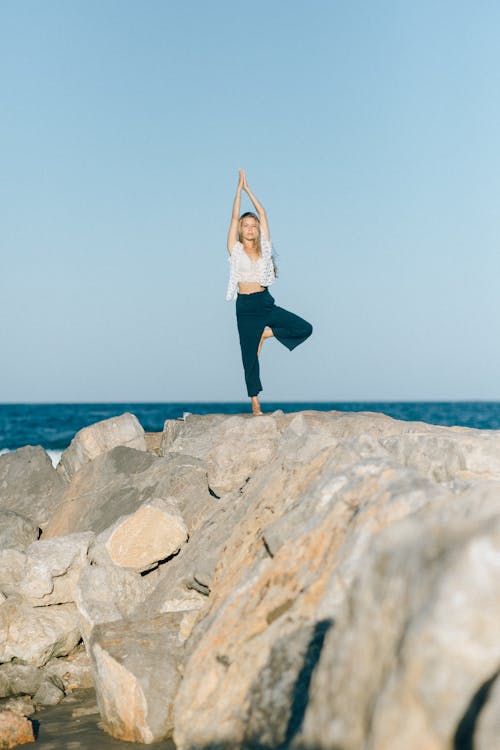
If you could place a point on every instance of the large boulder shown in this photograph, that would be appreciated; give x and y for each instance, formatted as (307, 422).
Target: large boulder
(16, 532)
(19, 679)
(29, 484)
(14, 730)
(113, 485)
(52, 569)
(416, 641)
(12, 567)
(136, 674)
(35, 635)
(106, 593)
(232, 447)
(154, 532)
(310, 511)
(99, 438)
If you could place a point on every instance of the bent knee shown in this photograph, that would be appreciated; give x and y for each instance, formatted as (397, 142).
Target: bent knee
(308, 330)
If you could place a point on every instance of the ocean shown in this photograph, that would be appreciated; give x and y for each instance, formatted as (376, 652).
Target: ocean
(54, 425)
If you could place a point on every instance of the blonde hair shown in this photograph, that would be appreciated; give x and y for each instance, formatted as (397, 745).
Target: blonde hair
(253, 216)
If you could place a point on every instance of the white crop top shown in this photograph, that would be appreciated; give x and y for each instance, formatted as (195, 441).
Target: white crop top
(242, 268)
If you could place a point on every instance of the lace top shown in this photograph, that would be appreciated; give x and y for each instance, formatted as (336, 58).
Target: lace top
(242, 268)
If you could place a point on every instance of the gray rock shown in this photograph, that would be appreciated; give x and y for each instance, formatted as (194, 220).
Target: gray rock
(72, 672)
(416, 640)
(113, 485)
(21, 704)
(16, 532)
(29, 484)
(106, 593)
(19, 679)
(34, 635)
(52, 569)
(99, 438)
(487, 724)
(12, 566)
(50, 692)
(232, 446)
(136, 673)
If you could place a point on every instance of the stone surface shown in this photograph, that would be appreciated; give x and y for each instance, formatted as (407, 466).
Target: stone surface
(16, 532)
(99, 438)
(50, 692)
(140, 540)
(29, 484)
(14, 730)
(232, 447)
(21, 704)
(12, 564)
(106, 593)
(136, 676)
(111, 486)
(19, 679)
(72, 672)
(415, 642)
(34, 635)
(52, 569)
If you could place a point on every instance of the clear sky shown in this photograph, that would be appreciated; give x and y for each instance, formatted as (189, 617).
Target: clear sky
(370, 131)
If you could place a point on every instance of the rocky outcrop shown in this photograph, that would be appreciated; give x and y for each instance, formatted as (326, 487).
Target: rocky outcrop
(304, 581)
(16, 532)
(136, 670)
(35, 635)
(29, 484)
(100, 438)
(113, 485)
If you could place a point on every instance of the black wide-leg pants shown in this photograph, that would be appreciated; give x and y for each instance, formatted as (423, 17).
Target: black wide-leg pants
(253, 313)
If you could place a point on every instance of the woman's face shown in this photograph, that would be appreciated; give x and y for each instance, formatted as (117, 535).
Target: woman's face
(249, 228)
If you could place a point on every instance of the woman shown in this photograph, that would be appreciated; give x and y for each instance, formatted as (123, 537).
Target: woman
(252, 270)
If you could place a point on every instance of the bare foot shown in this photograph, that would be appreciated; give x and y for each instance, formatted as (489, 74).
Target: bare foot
(267, 333)
(256, 410)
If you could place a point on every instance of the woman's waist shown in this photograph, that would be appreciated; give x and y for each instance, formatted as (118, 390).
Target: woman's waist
(250, 287)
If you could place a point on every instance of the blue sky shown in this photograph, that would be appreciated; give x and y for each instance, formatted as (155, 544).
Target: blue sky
(370, 132)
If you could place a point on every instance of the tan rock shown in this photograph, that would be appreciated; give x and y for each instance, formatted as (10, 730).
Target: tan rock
(99, 438)
(112, 485)
(52, 569)
(34, 635)
(136, 676)
(154, 532)
(14, 730)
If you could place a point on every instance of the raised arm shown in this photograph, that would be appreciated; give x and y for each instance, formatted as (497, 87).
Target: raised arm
(259, 208)
(232, 236)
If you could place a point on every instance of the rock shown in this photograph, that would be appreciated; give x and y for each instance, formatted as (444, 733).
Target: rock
(136, 676)
(34, 635)
(16, 532)
(50, 692)
(12, 567)
(99, 438)
(485, 728)
(192, 435)
(29, 484)
(111, 486)
(19, 679)
(106, 593)
(14, 730)
(22, 705)
(264, 597)
(53, 567)
(233, 447)
(72, 672)
(140, 540)
(415, 641)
